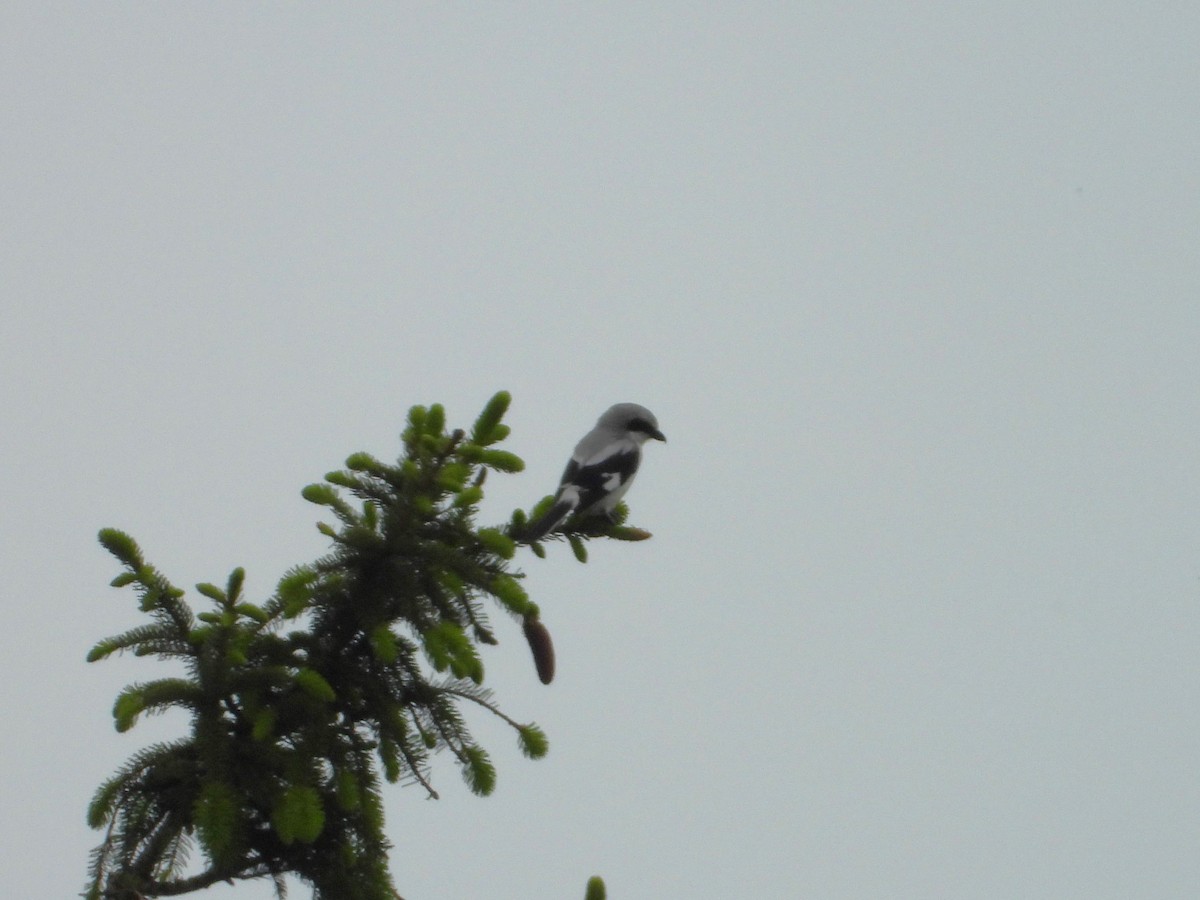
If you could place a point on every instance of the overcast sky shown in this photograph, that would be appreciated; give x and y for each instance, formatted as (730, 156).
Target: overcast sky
(913, 289)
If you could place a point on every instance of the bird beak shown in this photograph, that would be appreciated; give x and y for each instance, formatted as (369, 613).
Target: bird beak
(658, 436)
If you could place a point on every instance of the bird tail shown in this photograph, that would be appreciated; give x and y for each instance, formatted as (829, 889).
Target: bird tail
(554, 517)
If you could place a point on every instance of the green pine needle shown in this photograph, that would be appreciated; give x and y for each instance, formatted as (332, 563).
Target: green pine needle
(485, 429)
(478, 771)
(299, 815)
(212, 592)
(578, 548)
(122, 546)
(502, 461)
(218, 817)
(314, 684)
(533, 741)
(320, 494)
(497, 542)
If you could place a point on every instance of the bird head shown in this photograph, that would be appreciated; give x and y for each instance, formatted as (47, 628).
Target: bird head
(634, 419)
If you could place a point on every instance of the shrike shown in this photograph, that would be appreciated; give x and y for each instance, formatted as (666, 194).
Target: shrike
(601, 468)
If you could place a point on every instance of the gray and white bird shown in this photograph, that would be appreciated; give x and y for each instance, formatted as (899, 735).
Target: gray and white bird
(601, 468)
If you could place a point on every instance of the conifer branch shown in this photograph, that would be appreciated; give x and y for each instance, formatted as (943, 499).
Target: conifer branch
(293, 733)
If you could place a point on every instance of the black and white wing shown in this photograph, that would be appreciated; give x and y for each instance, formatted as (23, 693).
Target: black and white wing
(600, 482)
(595, 484)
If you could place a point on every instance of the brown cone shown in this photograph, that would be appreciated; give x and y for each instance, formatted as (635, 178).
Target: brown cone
(538, 636)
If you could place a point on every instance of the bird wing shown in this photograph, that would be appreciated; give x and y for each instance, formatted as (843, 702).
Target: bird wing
(596, 477)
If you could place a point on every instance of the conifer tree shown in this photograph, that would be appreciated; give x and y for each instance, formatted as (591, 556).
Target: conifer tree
(356, 671)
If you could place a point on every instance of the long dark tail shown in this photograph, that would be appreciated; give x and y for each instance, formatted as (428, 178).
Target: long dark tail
(556, 515)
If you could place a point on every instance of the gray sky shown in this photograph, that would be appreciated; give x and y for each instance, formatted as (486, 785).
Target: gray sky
(913, 290)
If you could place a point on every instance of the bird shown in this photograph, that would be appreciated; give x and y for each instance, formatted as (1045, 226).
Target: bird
(602, 467)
